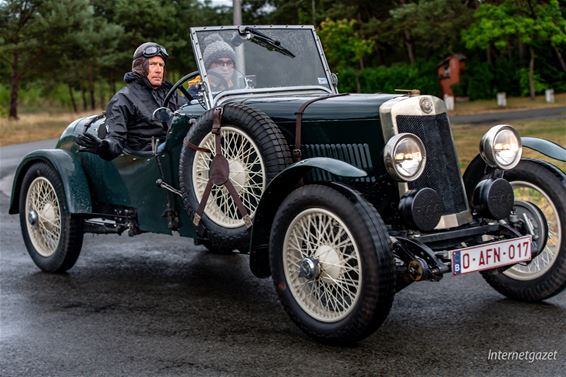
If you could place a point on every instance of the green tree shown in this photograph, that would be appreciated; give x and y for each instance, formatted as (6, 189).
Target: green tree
(528, 22)
(344, 47)
(38, 38)
(20, 43)
(431, 25)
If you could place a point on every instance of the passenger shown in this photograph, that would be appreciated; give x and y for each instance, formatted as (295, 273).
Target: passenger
(220, 63)
(129, 113)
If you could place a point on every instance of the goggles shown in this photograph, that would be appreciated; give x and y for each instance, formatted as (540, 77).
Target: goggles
(223, 63)
(151, 51)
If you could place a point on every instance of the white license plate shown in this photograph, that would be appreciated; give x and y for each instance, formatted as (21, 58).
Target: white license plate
(491, 255)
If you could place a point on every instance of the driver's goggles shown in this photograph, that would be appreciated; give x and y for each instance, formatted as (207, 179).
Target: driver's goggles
(152, 51)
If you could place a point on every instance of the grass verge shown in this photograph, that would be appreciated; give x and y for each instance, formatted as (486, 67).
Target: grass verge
(38, 126)
(513, 104)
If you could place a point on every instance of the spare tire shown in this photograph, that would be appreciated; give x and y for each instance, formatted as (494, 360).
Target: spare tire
(256, 151)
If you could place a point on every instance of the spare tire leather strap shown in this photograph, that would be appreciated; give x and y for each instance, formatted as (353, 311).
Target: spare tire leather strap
(219, 173)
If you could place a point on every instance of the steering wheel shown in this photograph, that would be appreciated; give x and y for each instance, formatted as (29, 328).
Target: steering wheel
(179, 85)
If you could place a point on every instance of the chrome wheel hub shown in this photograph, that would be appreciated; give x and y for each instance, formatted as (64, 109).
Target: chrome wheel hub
(32, 217)
(322, 265)
(309, 269)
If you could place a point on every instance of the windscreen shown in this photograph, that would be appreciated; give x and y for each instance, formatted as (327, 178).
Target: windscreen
(260, 58)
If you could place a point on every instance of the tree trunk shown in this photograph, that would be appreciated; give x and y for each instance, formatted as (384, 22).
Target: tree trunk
(83, 94)
(410, 46)
(532, 74)
(102, 94)
(72, 96)
(560, 58)
(14, 86)
(91, 89)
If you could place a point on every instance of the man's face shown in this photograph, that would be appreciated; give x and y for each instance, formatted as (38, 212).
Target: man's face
(223, 66)
(155, 70)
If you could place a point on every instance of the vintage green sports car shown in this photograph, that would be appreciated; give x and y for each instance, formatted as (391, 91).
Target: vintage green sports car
(344, 199)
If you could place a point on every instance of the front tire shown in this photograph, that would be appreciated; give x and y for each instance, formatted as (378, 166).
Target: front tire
(331, 264)
(53, 237)
(545, 275)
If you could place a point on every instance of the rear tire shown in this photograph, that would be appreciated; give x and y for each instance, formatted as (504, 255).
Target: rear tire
(331, 264)
(545, 275)
(53, 237)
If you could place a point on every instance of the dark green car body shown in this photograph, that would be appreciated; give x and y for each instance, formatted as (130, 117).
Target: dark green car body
(330, 157)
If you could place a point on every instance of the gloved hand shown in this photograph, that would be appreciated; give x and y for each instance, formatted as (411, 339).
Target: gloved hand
(88, 143)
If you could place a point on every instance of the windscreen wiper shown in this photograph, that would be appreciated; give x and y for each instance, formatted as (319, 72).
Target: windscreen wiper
(264, 40)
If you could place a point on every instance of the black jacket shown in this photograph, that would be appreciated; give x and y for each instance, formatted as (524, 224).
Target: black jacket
(129, 116)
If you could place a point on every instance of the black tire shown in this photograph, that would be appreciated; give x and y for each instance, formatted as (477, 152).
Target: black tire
(52, 236)
(546, 277)
(362, 301)
(219, 231)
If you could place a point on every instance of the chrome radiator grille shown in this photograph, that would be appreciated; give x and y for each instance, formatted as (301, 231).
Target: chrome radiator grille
(441, 172)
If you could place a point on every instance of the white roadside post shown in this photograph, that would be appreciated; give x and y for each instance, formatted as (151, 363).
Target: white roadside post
(501, 99)
(549, 95)
(449, 101)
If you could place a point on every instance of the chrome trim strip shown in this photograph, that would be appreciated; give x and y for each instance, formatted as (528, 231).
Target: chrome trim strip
(404, 105)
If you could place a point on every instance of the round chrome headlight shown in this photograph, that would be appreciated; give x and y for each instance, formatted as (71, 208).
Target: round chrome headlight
(405, 157)
(501, 147)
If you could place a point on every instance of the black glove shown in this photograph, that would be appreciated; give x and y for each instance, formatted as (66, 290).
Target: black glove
(89, 143)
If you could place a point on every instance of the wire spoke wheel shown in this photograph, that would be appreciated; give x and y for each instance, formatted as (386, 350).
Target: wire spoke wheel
(254, 151)
(532, 193)
(331, 263)
(44, 216)
(541, 186)
(319, 236)
(247, 174)
(53, 237)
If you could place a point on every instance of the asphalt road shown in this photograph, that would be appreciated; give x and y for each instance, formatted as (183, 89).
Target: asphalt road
(499, 116)
(159, 306)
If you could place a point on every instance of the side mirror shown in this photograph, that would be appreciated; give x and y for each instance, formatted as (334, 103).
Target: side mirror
(334, 80)
(162, 114)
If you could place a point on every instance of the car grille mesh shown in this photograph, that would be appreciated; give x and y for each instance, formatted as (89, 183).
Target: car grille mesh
(441, 172)
(354, 154)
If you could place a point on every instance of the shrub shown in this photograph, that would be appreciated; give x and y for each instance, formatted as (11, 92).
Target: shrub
(386, 79)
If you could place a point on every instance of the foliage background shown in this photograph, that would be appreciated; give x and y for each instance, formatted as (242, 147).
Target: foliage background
(72, 54)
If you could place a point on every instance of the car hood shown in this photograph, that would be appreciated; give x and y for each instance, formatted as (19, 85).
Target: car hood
(283, 109)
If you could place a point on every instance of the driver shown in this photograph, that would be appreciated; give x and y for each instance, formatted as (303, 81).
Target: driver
(220, 62)
(129, 114)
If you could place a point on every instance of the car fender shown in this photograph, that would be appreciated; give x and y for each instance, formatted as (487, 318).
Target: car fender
(275, 193)
(77, 193)
(478, 168)
(545, 147)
